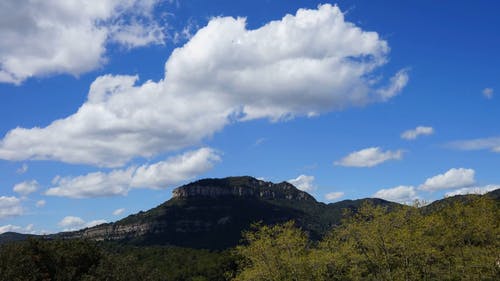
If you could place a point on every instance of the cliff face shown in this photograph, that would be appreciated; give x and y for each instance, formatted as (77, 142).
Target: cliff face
(241, 187)
(209, 213)
(110, 232)
(212, 213)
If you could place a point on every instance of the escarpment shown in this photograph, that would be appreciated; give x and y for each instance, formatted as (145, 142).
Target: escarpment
(242, 187)
(212, 213)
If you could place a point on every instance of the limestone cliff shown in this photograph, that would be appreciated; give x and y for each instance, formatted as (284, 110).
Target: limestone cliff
(242, 187)
(212, 213)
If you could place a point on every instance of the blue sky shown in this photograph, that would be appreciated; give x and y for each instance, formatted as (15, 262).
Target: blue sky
(105, 108)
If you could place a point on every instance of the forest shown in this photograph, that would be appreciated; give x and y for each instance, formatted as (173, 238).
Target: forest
(456, 241)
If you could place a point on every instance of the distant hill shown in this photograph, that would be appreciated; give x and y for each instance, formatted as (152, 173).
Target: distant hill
(212, 213)
(440, 204)
(14, 236)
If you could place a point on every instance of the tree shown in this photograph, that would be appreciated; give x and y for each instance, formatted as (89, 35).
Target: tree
(277, 253)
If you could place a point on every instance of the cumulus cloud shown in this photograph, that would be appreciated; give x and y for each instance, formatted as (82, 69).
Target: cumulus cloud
(488, 93)
(10, 207)
(460, 179)
(26, 187)
(369, 157)
(118, 212)
(16, 228)
(302, 65)
(304, 183)
(453, 178)
(58, 36)
(94, 223)
(473, 190)
(175, 169)
(96, 184)
(40, 203)
(70, 223)
(332, 196)
(401, 194)
(418, 131)
(492, 144)
(119, 182)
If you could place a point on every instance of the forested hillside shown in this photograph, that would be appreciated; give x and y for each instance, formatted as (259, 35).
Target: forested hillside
(458, 241)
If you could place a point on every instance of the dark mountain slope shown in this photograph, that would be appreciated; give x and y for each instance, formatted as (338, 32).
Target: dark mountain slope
(14, 236)
(438, 205)
(212, 213)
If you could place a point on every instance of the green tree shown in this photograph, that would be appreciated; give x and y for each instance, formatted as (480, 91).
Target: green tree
(276, 253)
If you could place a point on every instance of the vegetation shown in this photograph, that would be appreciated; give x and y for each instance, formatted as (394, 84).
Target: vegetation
(62, 260)
(459, 240)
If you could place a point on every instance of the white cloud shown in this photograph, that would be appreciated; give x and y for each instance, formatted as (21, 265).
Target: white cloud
(40, 203)
(23, 169)
(137, 34)
(305, 64)
(175, 169)
(333, 195)
(453, 178)
(94, 223)
(26, 187)
(488, 93)
(118, 212)
(71, 223)
(10, 207)
(473, 190)
(119, 182)
(304, 183)
(187, 32)
(400, 194)
(60, 36)
(369, 157)
(10, 228)
(96, 184)
(398, 82)
(418, 131)
(15, 228)
(492, 143)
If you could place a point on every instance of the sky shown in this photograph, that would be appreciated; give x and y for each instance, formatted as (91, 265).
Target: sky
(106, 106)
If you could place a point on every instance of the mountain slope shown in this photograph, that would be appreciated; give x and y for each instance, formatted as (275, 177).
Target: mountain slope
(212, 213)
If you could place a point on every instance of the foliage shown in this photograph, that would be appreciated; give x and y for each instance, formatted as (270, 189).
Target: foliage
(460, 242)
(89, 261)
(274, 253)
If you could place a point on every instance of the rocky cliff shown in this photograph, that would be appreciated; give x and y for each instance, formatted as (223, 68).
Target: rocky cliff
(209, 213)
(242, 187)
(212, 213)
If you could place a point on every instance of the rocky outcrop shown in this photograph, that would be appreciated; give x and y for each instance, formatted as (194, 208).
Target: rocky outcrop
(245, 187)
(178, 217)
(113, 231)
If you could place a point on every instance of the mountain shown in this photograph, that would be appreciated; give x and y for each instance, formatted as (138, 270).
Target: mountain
(212, 213)
(14, 236)
(438, 205)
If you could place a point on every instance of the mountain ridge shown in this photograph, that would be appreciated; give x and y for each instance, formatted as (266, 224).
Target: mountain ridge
(244, 186)
(212, 213)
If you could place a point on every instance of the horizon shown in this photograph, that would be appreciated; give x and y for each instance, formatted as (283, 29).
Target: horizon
(107, 108)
